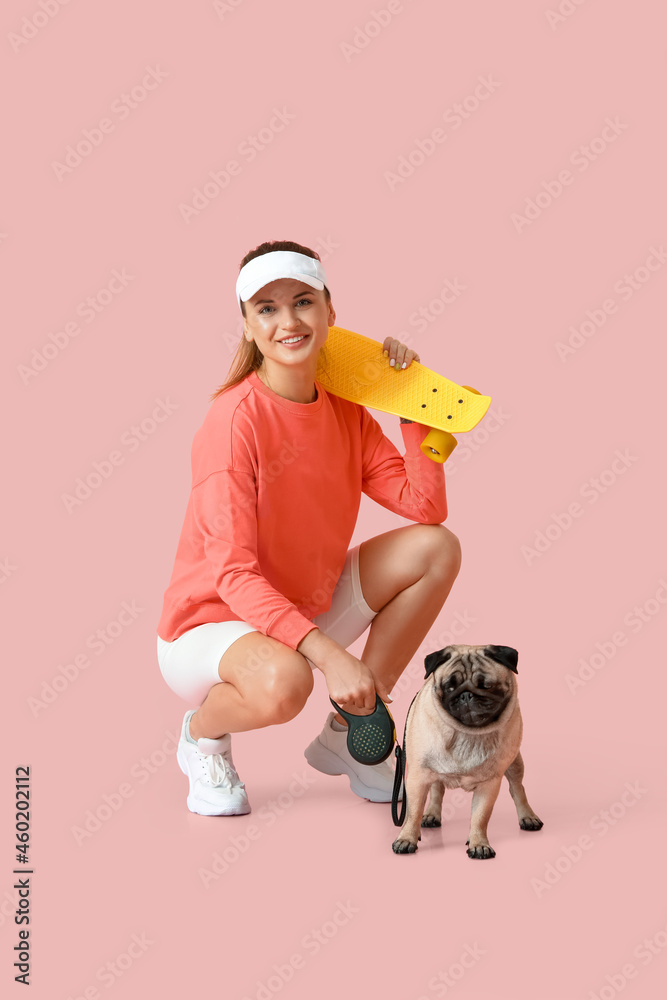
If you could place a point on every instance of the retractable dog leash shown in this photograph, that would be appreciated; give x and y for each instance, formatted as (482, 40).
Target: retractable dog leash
(370, 738)
(399, 778)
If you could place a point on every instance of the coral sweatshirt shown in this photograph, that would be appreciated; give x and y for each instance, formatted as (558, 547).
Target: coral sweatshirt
(276, 489)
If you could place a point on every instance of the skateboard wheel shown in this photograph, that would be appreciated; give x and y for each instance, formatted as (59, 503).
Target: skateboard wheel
(438, 445)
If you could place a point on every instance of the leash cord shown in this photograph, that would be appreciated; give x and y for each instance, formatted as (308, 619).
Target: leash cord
(399, 777)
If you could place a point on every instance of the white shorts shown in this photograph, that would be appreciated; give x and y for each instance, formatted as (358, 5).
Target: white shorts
(189, 664)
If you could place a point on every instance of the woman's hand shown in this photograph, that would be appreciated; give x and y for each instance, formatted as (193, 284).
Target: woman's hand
(349, 681)
(400, 355)
(351, 684)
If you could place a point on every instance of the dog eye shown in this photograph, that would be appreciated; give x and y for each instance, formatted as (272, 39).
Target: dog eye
(480, 681)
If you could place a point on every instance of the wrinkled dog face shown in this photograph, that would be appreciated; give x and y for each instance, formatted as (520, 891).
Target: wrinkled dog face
(473, 683)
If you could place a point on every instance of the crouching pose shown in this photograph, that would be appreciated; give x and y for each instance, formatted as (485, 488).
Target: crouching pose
(265, 586)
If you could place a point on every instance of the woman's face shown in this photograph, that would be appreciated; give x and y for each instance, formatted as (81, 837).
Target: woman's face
(284, 310)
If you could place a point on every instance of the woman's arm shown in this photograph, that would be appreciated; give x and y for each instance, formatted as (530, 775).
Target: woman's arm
(412, 484)
(349, 681)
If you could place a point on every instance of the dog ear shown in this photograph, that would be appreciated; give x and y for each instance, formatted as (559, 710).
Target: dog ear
(433, 660)
(503, 654)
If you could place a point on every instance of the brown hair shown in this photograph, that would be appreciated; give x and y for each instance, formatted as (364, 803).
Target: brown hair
(248, 357)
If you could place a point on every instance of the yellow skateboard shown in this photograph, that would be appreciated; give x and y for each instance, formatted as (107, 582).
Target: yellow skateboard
(355, 368)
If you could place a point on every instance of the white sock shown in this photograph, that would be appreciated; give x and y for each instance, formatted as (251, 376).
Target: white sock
(337, 727)
(188, 734)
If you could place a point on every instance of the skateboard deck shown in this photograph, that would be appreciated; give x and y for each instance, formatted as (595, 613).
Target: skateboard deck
(355, 368)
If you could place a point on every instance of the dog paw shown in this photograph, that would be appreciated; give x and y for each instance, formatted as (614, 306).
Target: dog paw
(403, 847)
(431, 821)
(482, 851)
(531, 823)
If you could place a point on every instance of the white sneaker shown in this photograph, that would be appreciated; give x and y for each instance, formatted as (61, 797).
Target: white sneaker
(215, 787)
(328, 753)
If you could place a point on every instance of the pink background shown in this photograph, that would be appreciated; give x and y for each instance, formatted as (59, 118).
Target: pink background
(170, 334)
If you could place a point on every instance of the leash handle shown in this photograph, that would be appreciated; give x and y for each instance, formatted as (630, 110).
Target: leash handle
(370, 738)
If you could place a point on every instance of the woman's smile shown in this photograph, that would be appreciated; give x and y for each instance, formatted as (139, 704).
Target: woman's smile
(295, 340)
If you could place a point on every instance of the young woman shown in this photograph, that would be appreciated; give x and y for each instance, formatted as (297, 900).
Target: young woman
(264, 589)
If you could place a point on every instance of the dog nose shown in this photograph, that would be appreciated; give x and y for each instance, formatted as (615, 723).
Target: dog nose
(466, 697)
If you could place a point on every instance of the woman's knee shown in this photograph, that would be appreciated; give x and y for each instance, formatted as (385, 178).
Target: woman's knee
(441, 549)
(286, 683)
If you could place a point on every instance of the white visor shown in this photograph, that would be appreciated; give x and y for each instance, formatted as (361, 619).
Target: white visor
(278, 264)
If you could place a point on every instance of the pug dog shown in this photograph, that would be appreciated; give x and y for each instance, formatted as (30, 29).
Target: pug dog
(464, 730)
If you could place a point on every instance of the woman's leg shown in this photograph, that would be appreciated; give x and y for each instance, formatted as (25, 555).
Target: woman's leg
(406, 574)
(266, 683)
